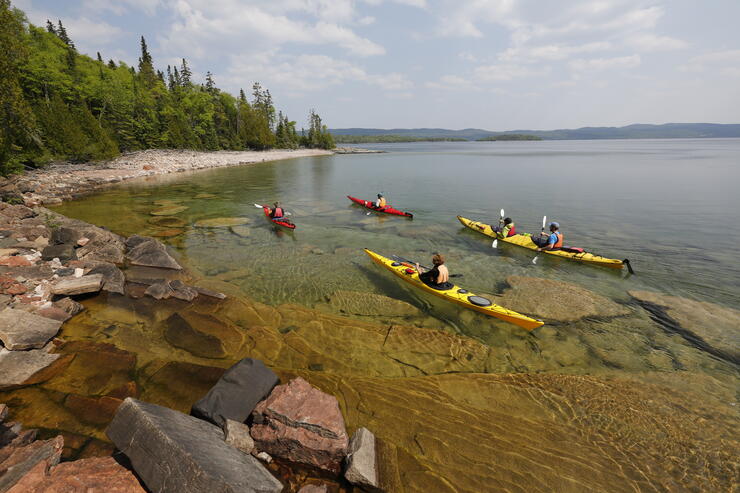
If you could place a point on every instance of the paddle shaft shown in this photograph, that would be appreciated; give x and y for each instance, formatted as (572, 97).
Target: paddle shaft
(412, 264)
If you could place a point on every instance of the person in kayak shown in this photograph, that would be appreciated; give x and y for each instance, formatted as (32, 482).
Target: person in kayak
(277, 213)
(381, 203)
(437, 277)
(550, 241)
(505, 228)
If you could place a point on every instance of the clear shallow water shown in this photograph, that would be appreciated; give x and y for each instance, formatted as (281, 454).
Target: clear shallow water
(478, 406)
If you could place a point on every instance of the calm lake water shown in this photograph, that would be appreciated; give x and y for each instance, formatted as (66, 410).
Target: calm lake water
(670, 206)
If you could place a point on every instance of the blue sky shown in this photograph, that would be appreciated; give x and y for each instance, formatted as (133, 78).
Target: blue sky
(498, 65)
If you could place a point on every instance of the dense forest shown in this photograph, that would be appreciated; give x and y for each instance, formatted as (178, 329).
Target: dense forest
(56, 103)
(509, 137)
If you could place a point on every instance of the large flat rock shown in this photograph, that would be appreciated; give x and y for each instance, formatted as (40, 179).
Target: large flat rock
(202, 334)
(21, 330)
(714, 324)
(149, 252)
(95, 474)
(173, 452)
(236, 393)
(91, 283)
(21, 368)
(556, 300)
(302, 424)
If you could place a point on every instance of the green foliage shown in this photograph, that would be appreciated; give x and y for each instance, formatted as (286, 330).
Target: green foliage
(58, 104)
(318, 135)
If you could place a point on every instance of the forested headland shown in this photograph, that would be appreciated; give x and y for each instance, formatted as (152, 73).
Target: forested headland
(492, 138)
(373, 139)
(59, 104)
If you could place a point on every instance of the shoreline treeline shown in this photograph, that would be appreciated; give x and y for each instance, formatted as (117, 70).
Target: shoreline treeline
(58, 104)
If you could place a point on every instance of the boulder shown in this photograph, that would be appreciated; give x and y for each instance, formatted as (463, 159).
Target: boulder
(300, 423)
(714, 325)
(202, 335)
(222, 222)
(63, 252)
(95, 474)
(113, 278)
(69, 305)
(78, 285)
(65, 236)
(237, 435)
(361, 468)
(236, 393)
(150, 253)
(556, 300)
(21, 368)
(22, 464)
(22, 330)
(164, 289)
(370, 304)
(18, 212)
(171, 451)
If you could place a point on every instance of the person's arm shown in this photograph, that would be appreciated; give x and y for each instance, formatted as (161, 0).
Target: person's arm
(550, 243)
(419, 270)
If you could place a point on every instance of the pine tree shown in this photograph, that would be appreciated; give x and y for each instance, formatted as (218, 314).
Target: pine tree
(185, 74)
(100, 58)
(210, 84)
(50, 27)
(146, 67)
(62, 33)
(111, 64)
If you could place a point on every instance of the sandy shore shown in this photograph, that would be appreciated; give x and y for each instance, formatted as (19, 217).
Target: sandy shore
(64, 181)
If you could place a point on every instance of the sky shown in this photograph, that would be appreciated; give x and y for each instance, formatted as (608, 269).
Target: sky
(497, 65)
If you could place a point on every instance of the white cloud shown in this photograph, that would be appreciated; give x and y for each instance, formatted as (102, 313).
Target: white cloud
(652, 42)
(552, 51)
(726, 62)
(120, 7)
(595, 64)
(450, 82)
(507, 71)
(366, 21)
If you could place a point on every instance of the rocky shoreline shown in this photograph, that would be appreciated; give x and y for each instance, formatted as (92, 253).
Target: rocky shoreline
(66, 181)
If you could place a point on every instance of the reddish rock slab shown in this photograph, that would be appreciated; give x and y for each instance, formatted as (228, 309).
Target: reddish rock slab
(300, 423)
(96, 474)
(15, 261)
(54, 313)
(94, 410)
(27, 464)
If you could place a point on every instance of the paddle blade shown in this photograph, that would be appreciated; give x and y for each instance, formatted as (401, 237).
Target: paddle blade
(494, 244)
(258, 206)
(534, 260)
(544, 221)
(502, 213)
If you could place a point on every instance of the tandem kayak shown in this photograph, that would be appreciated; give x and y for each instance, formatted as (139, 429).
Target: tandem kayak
(285, 223)
(388, 210)
(455, 294)
(526, 242)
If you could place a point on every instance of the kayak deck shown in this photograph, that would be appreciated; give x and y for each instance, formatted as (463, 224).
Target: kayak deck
(526, 242)
(388, 210)
(284, 224)
(456, 294)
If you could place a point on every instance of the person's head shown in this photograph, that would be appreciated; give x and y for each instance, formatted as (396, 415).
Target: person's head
(438, 259)
(507, 220)
(276, 204)
(554, 226)
(380, 195)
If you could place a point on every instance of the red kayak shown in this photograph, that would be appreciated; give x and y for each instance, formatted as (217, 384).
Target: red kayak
(388, 210)
(285, 223)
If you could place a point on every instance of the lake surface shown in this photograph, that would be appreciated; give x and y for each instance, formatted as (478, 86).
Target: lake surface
(670, 206)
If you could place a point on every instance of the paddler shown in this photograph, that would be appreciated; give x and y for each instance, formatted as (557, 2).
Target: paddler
(277, 212)
(380, 204)
(505, 228)
(437, 277)
(550, 241)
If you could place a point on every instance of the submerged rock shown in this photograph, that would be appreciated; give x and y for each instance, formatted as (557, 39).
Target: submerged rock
(300, 423)
(556, 300)
(241, 231)
(202, 335)
(168, 222)
(714, 324)
(169, 210)
(222, 222)
(171, 451)
(370, 304)
(168, 233)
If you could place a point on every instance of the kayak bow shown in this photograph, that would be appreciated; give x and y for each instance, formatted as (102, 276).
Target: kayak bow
(456, 294)
(388, 210)
(526, 242)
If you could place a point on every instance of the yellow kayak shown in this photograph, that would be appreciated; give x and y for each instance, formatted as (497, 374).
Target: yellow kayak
(457, 295)
(526, 242)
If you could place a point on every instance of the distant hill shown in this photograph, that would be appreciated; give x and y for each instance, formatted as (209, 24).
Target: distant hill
(635, 131)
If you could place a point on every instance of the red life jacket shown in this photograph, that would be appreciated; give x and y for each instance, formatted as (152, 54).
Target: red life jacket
(559, 243)
(512, 231)
(277, 212)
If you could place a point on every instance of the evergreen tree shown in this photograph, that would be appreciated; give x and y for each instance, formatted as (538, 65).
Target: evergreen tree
(185, 74)
(210, 84)
(146, 67)
(50, 27)
(62, 33)
(111, 64)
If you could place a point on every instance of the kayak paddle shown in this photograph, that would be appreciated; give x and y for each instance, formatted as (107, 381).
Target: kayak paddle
(544, 221)
(412, 264)
(284, 212)
(495, 241)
